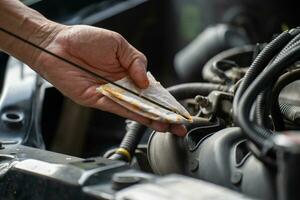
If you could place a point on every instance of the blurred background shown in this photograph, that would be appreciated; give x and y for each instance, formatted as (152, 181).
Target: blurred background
(171, 33)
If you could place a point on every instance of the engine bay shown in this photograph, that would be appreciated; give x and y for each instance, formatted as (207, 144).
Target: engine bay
(241, 87)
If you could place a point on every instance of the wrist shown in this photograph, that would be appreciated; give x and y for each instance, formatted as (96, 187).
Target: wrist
(44, 32)
(42, 35)
(28, 24)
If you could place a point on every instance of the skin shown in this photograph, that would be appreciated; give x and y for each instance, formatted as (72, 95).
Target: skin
(102, 51)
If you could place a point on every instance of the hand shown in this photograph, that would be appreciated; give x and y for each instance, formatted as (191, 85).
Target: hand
(104, 52)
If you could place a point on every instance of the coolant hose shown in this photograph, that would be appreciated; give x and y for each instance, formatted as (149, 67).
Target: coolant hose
(253, 132)
(189, 90)
(258, 65)
(294, 42)
(241, 54)
(189, 61)
(262, 107)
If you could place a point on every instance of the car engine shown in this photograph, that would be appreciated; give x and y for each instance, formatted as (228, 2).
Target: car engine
(240, 85)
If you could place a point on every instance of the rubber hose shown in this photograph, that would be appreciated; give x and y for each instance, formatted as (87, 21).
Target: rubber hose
(283, 81)
(286, 50)
(219, 68)
(241, 53)
(130, 141)
(253, 113)
(133, 136)
(263, 108)
(257, 66)
(294, 42)
(189, 61)
(188, 90)
(290, 112)
(253, 132)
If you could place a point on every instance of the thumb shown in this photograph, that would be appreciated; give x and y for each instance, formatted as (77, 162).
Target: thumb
(135, 62)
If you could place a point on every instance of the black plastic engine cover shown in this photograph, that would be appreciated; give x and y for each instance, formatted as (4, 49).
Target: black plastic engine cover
(223, 158)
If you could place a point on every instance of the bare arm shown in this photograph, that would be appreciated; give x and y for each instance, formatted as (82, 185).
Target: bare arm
(27, 23)
(101, 51)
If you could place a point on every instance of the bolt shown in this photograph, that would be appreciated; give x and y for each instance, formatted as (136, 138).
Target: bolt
(202, 101)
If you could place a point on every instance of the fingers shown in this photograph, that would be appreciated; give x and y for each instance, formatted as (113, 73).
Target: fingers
(108, 105)
(134, 61)
(178, 130)
(137, 72)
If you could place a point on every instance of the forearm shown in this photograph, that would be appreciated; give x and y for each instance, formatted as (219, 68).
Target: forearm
(27, 23)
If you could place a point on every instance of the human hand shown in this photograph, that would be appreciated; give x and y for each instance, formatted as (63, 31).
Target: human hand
(104, 52)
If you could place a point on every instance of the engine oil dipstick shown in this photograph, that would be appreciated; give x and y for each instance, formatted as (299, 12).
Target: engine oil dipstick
(88, 71)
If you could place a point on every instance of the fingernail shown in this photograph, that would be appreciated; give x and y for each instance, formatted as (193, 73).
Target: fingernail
(145, 81)
(141, 62)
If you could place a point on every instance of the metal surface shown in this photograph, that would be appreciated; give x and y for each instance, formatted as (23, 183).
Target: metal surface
(178, 187)
(53, 175)
(29, 173)
(288, 161)
(209, 152)
(20, 102)
(216, 155)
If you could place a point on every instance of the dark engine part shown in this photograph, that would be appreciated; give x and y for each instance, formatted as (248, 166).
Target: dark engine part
(189, 61)
(236, 60)
(221, 157)
(28, 173)
(132, 137)
(288, 160)
(253, 158)
(135, 131)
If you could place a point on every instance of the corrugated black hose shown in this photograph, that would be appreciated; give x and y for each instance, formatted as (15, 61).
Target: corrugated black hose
(132, 137)
(263, 105)
(294, 42)
(258, 65)
(283, 81)
(254, 132)
(290, 112)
